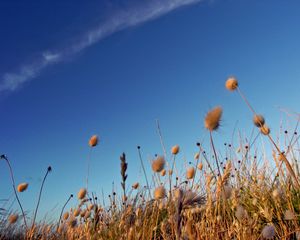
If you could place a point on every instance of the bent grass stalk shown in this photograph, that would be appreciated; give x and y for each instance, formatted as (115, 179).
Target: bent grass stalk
(49, 169)
(14, 187)
(62, 210)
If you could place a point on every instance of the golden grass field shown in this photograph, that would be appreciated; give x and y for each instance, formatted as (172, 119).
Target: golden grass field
(248, 196)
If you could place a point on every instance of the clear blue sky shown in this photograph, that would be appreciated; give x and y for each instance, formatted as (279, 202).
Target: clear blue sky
(170, 67)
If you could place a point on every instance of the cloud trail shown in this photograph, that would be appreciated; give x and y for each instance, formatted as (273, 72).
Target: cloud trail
(119, 21)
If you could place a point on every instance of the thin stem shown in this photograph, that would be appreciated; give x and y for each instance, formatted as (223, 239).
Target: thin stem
(245, 99)
(88, 169)
(214, 150)
(14, 187)
(143, 167)
(161, 139)
(62, 210)
(40, 194)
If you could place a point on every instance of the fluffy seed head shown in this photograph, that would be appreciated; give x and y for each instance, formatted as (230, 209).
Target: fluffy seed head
(12, 218)
(190, 173)
(158, 164)
(77, 212)
(22, 187)
(81, 194)
(268, 232)
(200, 166)
(258, 120)
(197, 155)
(231, 83)
(66, 216)
(265, 130)
(175, 149)
(135, 185)
(93, 141)
(159, 192)
(212, 119)
(163, 172)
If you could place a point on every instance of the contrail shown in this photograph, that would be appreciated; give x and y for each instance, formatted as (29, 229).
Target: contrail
(119, 21)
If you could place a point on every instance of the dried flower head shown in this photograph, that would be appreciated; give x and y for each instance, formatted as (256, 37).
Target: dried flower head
(268, 232)
(265, 130)
(190, 173)
(197, 155)
(163, 172)
(93, 141)
(158, 164)
(22, 187)
(212, 119)
(231, 83)
(81, 194)
(159, 192)
(13, 218)
(175, 149)
(135, 185)
(258, 120)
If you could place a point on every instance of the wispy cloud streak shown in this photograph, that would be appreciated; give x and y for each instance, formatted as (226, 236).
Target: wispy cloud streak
(119, 21)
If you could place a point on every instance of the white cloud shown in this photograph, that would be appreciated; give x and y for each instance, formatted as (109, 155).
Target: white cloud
(119, 21)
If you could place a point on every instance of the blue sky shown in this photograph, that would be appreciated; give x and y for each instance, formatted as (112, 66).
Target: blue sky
(112, 68)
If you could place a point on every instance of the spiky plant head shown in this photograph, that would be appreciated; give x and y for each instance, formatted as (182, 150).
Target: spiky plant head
(258, 120)
(158, 164)
(231, 83)
(13, 218)
(175, 149)
(93, 141)
(22, 187)
(212, 119)
(159, 192)
(190, 173)
(268, 232)
(81, 194)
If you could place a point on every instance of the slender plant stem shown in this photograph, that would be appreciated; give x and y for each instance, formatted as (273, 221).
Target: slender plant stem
(14, 187)
(143, 167)
(62, 210)
(214, 150)
(40, 194)
(88, 169)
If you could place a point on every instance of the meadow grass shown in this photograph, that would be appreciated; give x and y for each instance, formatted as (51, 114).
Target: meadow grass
(242, 196)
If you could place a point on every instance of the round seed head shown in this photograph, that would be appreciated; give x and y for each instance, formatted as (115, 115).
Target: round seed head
(268, 232)
(265, 130)
(258, 120)
(81, 194)
(22, 187)
(175, 149)
(231, 84)
(159, 193)
(12, 218)
(190, 173)
(93, 141)
(212, 119)
(158, 164)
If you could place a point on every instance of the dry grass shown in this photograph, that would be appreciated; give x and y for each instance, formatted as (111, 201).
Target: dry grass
(235, 194)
